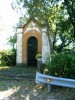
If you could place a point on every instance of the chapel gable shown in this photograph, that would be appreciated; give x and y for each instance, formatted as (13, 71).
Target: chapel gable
(32, 24)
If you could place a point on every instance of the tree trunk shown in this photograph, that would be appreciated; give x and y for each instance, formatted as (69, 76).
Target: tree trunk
(74, 33)
(13, 46)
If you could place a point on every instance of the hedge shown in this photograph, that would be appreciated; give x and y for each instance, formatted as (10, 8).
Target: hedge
(7, 58)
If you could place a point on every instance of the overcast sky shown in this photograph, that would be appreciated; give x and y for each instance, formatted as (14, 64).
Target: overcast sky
(8, 18)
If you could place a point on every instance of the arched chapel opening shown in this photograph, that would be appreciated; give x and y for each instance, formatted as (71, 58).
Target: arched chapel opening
(31, 45)
(32, 50)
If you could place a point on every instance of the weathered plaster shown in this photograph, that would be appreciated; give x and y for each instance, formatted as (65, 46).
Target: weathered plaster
(31, 26)
(45, 46)
(19, 47)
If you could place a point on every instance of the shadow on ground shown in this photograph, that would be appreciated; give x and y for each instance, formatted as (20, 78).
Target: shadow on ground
(13, 71)
(27, 89)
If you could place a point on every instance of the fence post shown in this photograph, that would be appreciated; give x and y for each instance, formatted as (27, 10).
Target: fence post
(49, 87)
(39, 65)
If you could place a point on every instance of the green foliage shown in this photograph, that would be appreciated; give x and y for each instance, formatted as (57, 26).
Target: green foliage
(57, 16)
(7, 58)
(12, 41)
(17, 71)
(38, 55)
(69, 5)
(63, 65)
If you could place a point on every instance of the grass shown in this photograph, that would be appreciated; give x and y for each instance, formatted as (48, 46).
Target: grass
(26, 88)
(17, 71)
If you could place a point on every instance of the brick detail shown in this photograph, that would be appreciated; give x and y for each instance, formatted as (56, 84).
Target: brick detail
(25, 38)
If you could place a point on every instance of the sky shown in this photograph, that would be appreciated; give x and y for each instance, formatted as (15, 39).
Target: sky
(8, 19)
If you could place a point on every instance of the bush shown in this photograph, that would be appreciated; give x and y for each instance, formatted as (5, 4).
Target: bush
(63, 65)
(7, 58)
(38, 55)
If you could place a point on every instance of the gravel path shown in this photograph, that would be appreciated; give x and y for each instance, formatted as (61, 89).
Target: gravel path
(27, 89)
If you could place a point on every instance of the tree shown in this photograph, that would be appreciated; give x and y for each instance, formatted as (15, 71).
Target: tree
(41, 9)
(69, 5)
(51, 14)
(63, 36)
(62, 31)
(12, 41)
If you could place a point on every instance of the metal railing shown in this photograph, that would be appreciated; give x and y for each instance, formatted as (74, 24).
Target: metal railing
(51, 80)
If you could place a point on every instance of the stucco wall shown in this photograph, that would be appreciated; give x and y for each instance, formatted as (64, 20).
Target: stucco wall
(45, 46)
(19, 47)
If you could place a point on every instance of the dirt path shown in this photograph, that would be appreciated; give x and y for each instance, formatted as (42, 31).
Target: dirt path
(27, 89)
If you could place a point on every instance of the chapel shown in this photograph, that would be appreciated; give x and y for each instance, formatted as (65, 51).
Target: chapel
(31, 40)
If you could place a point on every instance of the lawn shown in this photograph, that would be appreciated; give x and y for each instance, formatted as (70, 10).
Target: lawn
(13, 71)
(26, 89)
